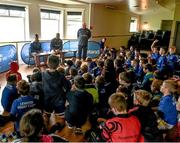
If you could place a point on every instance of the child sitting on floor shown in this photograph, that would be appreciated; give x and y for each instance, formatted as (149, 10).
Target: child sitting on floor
(167, 107)
(14, 67)
(124, 127)
(9, 93)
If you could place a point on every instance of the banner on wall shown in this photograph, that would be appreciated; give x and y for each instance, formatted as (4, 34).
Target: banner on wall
(7, 55)
(25, 55)
(93, 50)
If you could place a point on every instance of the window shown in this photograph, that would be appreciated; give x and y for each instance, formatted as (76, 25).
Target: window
(12, 25)
(74, 22)
(50, 23)
(134, 24)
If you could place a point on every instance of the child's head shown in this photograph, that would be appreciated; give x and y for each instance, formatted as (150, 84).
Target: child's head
(172, 49)
(128, 55)
(73, 72)
(23, 87)
(84, 68)
(78, 63)
(124, 78)
(142, 62)
(73, 60)
(132, 48)
(156, 85)
(14, 67)
(53, 62)
(162, 51)
(169, 87)
(37, 76)
(31, 124)
(118, 104)
(100, 64)
(87, 78)
(122, 48)
(36, 69)
(134, 63)
(103, 39)
(69, 63)
(12, 79)
(122, 89)
(100, 80)
(79, 82)
(61, 70)
(142, 97)
(109, 63)
(137, 52)
(147, 68)
(118, 62)
(88, 59)
(155, 49)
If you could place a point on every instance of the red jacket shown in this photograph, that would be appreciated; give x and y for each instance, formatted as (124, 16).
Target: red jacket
(123, 128)
(14, 67)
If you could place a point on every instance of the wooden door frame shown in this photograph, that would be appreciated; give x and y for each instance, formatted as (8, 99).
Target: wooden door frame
(175, 34)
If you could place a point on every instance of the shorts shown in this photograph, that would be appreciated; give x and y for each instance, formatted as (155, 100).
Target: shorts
(57, 107)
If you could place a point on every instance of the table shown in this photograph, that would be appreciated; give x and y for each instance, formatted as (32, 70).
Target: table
(46, 54)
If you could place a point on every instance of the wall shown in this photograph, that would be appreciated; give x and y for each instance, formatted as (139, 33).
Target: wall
(110, 23)
(154, 18)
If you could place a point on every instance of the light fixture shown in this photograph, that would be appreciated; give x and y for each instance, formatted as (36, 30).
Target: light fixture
(145, 26)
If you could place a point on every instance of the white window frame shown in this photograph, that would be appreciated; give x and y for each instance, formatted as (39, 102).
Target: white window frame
(61, 18)
(73, 10)
(130, 25)
(24, 17)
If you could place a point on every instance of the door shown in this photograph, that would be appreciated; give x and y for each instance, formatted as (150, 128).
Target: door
(166, 25)
(177, 37)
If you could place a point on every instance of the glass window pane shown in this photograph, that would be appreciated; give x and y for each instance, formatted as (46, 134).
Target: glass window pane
(17, 13)
(74, 22)
(133, 24)
(3, 12)
(54, 16)
(12, 29)
(49, 33)
(45, 15)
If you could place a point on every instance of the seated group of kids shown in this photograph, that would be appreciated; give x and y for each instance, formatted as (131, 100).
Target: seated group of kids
(125, 96)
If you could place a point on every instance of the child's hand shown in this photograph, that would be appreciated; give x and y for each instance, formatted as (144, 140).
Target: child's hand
(101, 120)
(156, 41)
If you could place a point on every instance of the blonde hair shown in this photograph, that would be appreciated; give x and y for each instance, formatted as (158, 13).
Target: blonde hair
(171, 85)
(118, 101)
(143, 97)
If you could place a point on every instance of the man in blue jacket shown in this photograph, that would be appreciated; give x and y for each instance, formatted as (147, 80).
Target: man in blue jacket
(83, 35)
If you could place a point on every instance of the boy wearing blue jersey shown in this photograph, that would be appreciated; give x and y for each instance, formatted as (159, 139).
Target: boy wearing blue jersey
(148, 78)
(162, 61)
(172, 59)
(23, 104)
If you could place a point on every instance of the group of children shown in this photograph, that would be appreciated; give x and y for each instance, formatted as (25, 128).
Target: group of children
(133, 94)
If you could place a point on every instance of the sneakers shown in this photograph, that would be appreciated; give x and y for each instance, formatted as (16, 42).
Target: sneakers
(56, 127)
(69, 125)
(78, 131)
(3, 138)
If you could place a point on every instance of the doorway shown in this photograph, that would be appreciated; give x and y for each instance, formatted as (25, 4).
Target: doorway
(177, 37)
(166, 25)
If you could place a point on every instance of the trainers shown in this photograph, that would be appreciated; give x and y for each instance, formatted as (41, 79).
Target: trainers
(56, 127)
(69, 125)
(78, 131)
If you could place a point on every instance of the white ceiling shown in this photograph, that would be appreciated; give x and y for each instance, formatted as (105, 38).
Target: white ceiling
(136, 6)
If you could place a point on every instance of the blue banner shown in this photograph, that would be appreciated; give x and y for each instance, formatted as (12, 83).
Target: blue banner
(93, 48)
(7, 55)
(25, 52)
